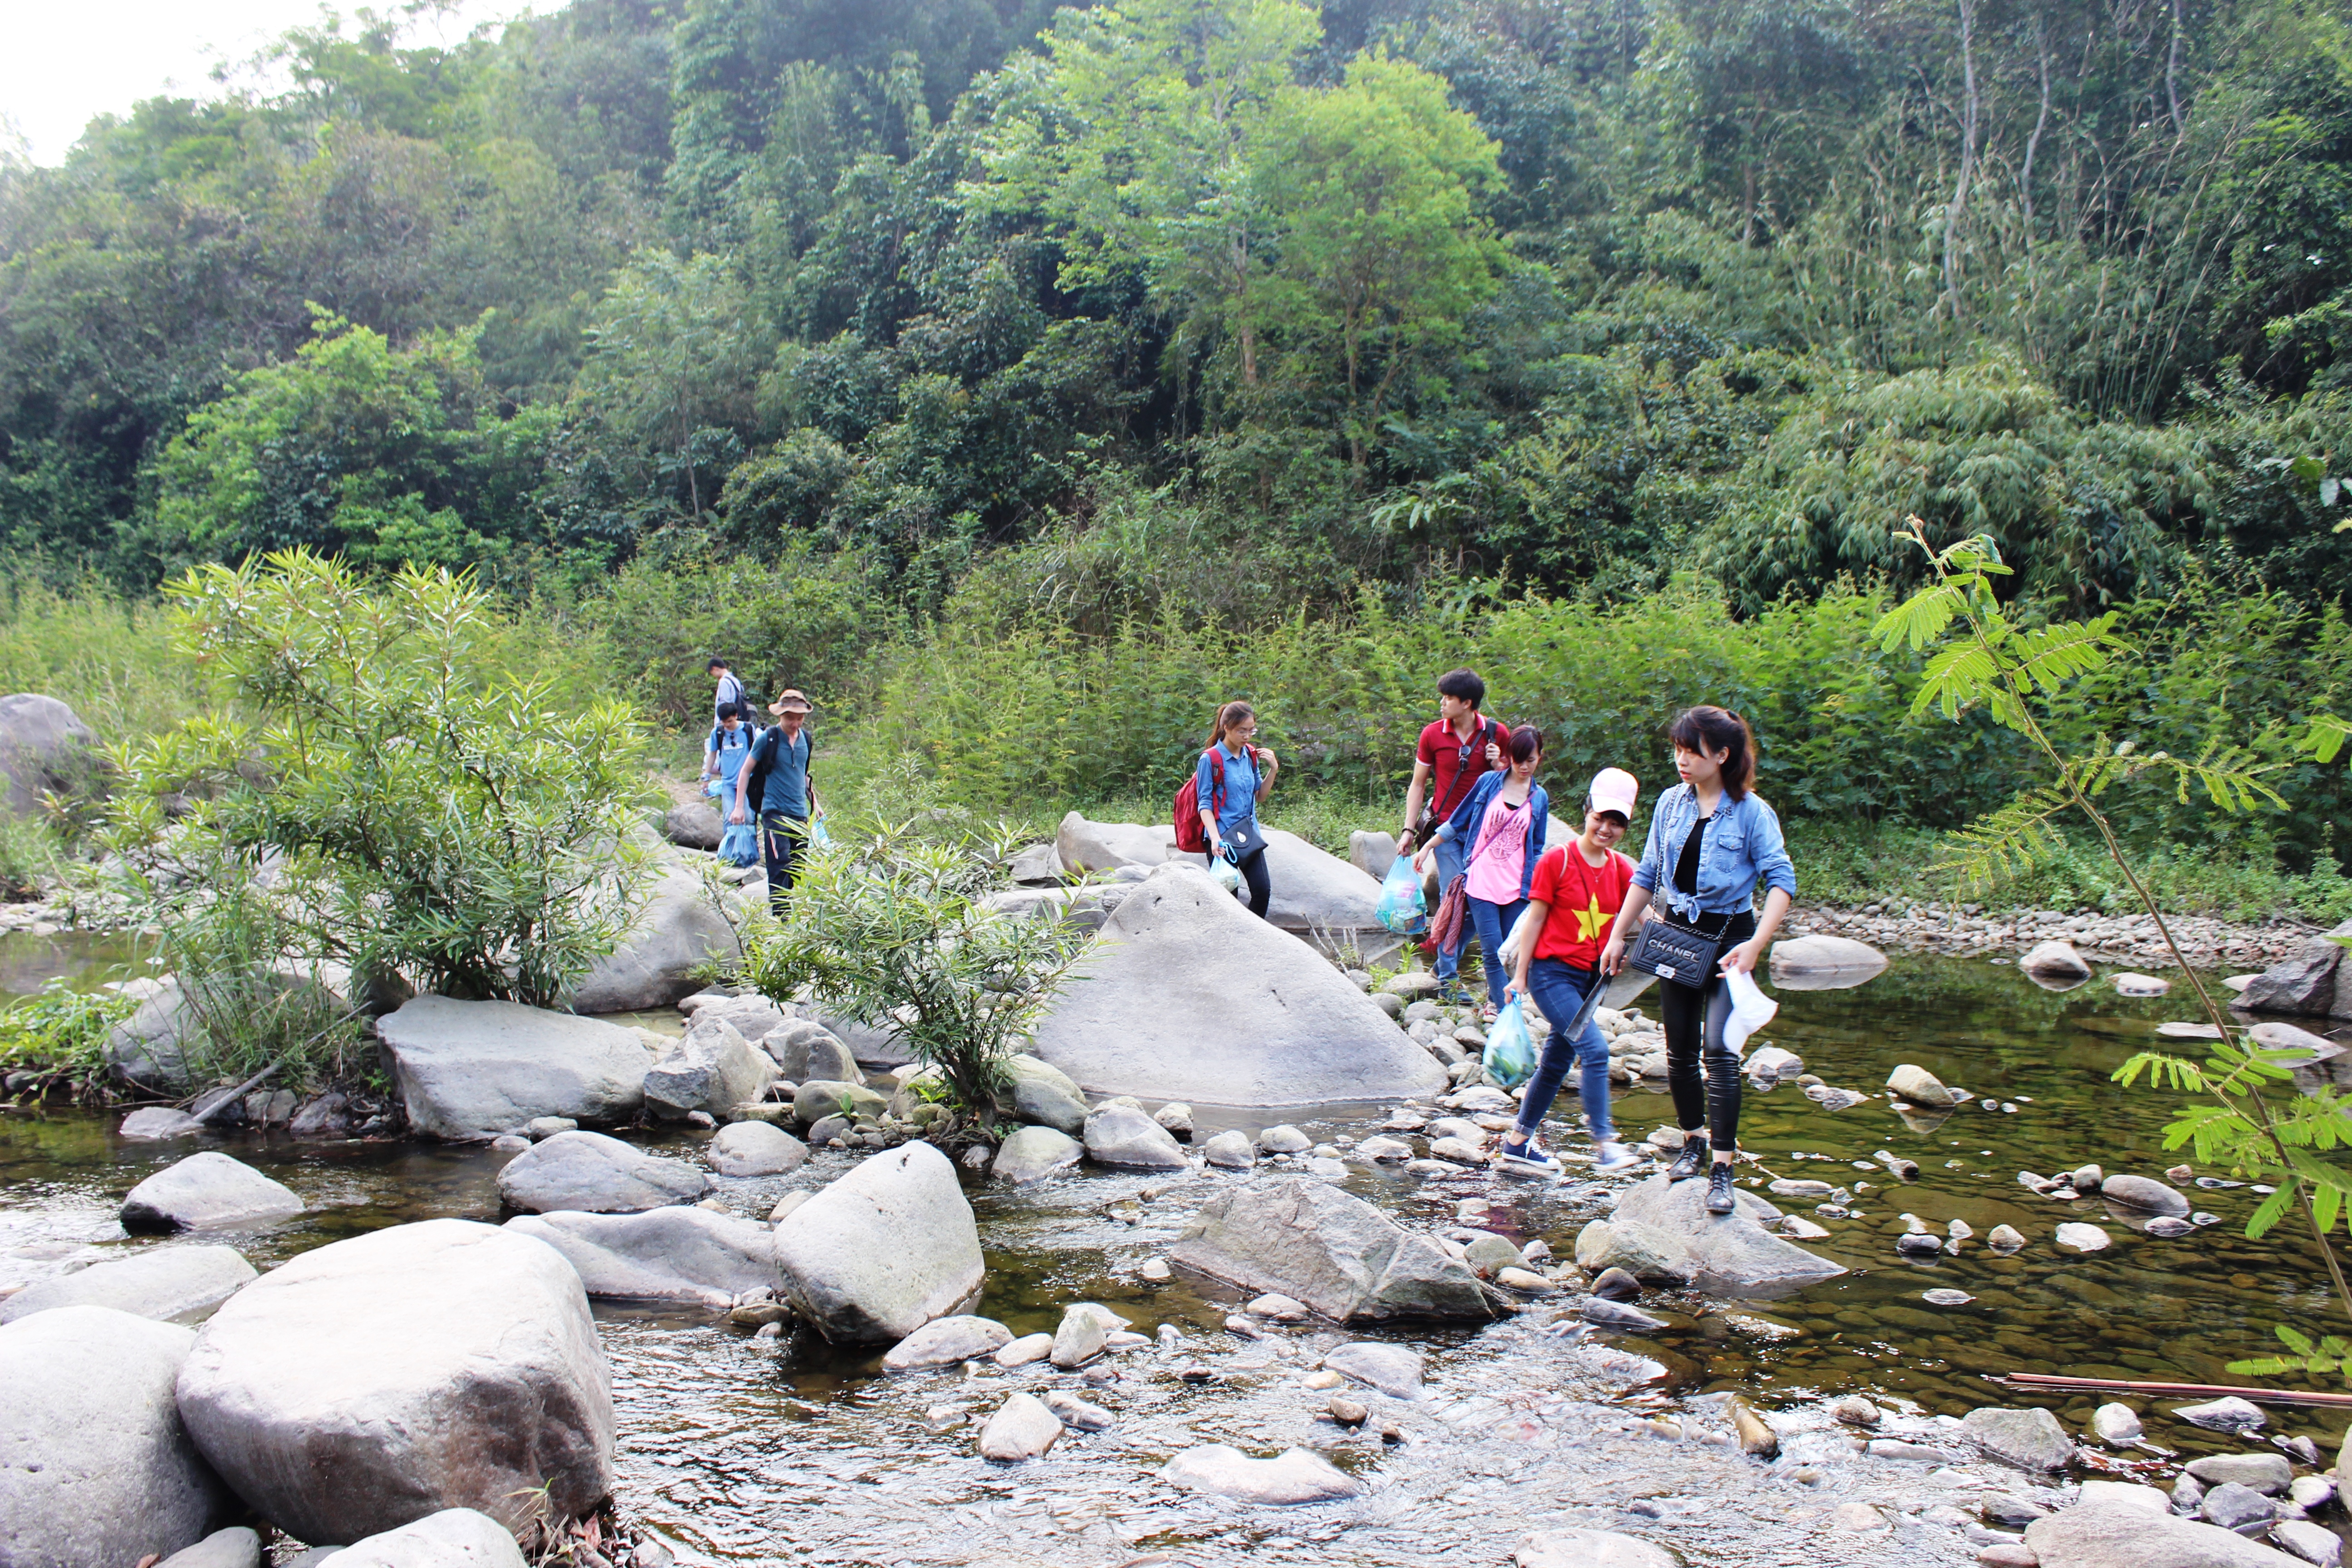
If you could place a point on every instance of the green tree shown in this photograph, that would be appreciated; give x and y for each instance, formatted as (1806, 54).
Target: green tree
(374, 790)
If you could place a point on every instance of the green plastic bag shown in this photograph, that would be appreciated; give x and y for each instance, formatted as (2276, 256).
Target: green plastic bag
(1510, 1059)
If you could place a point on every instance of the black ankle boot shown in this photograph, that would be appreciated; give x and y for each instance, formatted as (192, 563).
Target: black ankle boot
(1694, 1155)
(1719, 1189)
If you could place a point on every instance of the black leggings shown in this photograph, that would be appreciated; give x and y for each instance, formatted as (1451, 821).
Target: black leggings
(1261, 886)
(1702, 1072)
(783, 840)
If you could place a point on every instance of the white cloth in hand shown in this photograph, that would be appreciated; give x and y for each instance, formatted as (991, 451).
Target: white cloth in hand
(1750, 1008)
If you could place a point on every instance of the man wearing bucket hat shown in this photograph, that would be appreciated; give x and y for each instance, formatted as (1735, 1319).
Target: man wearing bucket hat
(778, 777)
(1572, 904)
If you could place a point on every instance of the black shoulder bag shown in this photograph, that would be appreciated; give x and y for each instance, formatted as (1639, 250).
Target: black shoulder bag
(1670, 950)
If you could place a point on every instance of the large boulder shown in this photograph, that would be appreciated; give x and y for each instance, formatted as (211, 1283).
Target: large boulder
(883, 1251)
(207, 1190)
(1085, 845)
(162, 1282)
(802, 1048)
(1184, 995)
(470, 1070)
(44, 746)
(95, 1465)
(679, 1254)
(756, 1149)
(1042, 1094)
(2055, 963)
(679, 933)
(695, 825)
(376, 1380)
(755, 1017)
(2303, 982)
(1374, 853)
(1320, 896)
(2115, 1534)
(713, 1070)
(453, 1538)
(1034, 1153)
(1317, 1244)
(596, 1175)
(1122, 1135)
(1824, 962)
(1730, 1253)
(150, 1047)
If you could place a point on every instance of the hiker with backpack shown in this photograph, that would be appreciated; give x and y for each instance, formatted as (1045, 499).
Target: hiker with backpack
(1230, 780)
(729, 688)
(1712, 840)
(1572, 904)
(723, 754)
(1452, 753)
(1498, 830)
(779, 777)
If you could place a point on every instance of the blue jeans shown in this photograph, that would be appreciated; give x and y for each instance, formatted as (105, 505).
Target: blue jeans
(1449, 866)
(1560, 990)
(1493, 922)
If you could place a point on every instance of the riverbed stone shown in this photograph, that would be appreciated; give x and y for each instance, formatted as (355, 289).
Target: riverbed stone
(820, 1097)
(1323, 1246)
(1373, 852)
(2005, 1238)
(44, 746)
(150, 1047)
(96, 1467)
(883, 1251)
(1283, 1138)
(680, 1253)
(1022, 1428)
(597, 1173)
(1296, 1476)
(1395, 1370)
(153, 1123)
(1727, 1252)
(207, 1190)
(756, 1149)
(1044, 1095)
(2121, 1535)
(453, 1538)
(2265, 1473)
(2323, 1548)
(803, 1049)
(713, 1070)
(2080, 1237)
(2152, 1499)
(2304, 983)
(439, 1364)
(2230, 1413)
(948, 1342)
(1034, 1153)
(678, 933)
(1122, 1135)
(2237, 1507)
(1644, 1251)
(1824, 962)
(1230, 1150)
(1184, 995)
(2117, 1424)
(1918, 1086)
(2031, 1438)
(1589, 1549)
(1080, 1336)
(236, 1547)
(163, 1283)
(2144, 1193)
(2055, 960)
(469, 1070)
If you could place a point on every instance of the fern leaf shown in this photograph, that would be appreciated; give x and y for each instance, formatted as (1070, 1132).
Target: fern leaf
(2054, 655)
(2274, 1209)
(2328, 735)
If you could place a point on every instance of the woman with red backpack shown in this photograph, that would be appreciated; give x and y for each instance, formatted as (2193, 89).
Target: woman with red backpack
(1230, 778)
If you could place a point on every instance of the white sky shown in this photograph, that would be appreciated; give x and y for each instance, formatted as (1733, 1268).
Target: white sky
(65, 61)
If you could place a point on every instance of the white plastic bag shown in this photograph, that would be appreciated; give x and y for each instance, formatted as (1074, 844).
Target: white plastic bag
(1750, 1008)
(1228, 875)
(1403, 906)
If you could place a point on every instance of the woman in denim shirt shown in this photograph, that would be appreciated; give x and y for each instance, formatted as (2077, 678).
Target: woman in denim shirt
(1711, 841)
(1498, 857)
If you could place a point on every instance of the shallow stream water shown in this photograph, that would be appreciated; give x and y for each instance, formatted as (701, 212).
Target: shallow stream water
(736, 1450)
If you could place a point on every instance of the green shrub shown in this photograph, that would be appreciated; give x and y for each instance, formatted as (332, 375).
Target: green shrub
(61, 1032)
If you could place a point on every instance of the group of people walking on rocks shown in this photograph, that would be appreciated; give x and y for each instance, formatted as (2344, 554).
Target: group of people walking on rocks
(763, 775)
(1556, 922)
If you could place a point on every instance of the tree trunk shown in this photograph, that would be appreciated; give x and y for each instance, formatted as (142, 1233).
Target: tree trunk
(2172, 74)
(2040, 122)
(1967, 155)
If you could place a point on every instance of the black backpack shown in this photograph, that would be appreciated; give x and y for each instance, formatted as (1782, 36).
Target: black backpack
(763, 759)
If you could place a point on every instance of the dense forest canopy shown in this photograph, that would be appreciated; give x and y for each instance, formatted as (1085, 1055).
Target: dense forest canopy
(1577, 295)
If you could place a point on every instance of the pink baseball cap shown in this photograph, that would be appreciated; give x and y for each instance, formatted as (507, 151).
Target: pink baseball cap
(1614, 789)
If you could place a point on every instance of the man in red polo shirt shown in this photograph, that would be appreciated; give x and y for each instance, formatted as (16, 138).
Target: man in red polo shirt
(1452, 753)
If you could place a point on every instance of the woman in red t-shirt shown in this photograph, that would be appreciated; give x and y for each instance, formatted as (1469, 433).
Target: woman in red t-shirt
(1572, 904)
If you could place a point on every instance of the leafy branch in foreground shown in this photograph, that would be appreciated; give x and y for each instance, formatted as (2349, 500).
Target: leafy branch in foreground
(896, 929)
(2008, 670)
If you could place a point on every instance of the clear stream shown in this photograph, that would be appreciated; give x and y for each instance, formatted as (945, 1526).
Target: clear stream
(735, 1450)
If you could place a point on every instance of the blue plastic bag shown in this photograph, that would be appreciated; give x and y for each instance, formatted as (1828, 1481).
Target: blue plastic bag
(1403, 908)
(818, 836)
(739, 844)
(1510, 1059)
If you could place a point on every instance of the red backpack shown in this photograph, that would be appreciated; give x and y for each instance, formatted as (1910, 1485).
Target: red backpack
(1191, 838)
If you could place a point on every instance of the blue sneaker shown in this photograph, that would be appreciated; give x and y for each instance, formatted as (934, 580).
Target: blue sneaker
(1525, 1157)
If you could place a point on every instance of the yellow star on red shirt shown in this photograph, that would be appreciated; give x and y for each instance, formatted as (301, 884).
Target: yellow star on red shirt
(1590, 923)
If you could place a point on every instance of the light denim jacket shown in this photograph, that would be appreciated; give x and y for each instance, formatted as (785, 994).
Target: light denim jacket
(1469, 820)
(1743, 847)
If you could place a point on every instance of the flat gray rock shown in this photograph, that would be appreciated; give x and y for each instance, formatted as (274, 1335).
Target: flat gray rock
(1122, 1135)
(1044, 1095)
(1034, 1153)
(679, 931)
(1823, 963)
(948, 1342)
(756, 1149)
(682, 1253)
(1589, 1549)
(95, 1465)
(469, 1071)
(164, 1283)
(153, 1123)
(236, 1547)
(1183, 995)
(1329, 1249)
(1395, 1370)
(803, 1049)
(1022, 1428)
(2144, 1193)
(2029, 1439)
(440, 1365)
(1295, 1476)
(2230, 1413)
(883, 1251)
(207, 1190)
(2055, 960)
(598, 1175)
(1726, 1252)
(1081, 844)
(713, 1070)
(2263, 1472)
(2121, 1535)
(453, 1538)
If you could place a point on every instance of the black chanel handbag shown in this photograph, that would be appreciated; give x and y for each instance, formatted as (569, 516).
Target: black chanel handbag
(1676, 953)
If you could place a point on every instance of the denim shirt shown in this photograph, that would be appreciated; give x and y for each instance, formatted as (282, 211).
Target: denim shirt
(1241, 782)
(1469, 819)
(1743, 847)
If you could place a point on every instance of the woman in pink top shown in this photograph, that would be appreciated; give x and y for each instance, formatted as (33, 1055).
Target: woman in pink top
(1503, 821)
